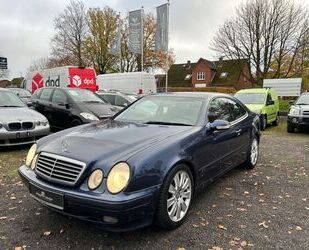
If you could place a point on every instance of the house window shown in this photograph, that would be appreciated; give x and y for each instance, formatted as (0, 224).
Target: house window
(200, 76)
(223, 75)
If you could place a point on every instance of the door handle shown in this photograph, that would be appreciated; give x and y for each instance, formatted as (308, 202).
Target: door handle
(238, 131)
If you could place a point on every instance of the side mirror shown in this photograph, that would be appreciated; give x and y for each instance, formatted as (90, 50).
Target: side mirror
(29, 104)
(270, 103)
(219, 125)
(62, 104)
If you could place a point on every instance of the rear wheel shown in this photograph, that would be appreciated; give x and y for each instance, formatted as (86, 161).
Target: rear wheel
(276, 122)
(175, 198)
(253, 154)
(263, 122)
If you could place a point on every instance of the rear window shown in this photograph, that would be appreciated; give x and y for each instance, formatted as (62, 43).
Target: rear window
(109, 98)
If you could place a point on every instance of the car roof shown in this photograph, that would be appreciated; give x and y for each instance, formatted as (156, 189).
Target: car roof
(255, 90)
(205, 95)
(5, 89)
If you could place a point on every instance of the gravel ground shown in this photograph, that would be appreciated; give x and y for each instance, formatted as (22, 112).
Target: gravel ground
(267, 208)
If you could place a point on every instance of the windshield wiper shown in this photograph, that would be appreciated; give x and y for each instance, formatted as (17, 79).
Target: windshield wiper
(167, 123)
(92, 101)
(10, 106)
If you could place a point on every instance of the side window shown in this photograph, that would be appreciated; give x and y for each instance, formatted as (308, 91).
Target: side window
(59, 97)
(45, 95)
(269, 99)
(109, 98)
(224, 109)
(120, 101)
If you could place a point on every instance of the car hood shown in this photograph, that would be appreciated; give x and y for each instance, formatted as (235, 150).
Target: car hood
(19, 114)
(116, 141)
(100, 109)
(255, 107)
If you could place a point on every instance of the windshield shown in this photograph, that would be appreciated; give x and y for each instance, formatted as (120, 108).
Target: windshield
(303, 100)
(251, 98)
(8, 99)
(21, 92)
(83, 95)
(163, 110)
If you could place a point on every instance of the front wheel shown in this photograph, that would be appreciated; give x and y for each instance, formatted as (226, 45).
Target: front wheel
(290, 128)
(175, 198)
(253, 154)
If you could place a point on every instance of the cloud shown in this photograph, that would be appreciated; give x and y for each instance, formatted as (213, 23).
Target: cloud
(26, 26)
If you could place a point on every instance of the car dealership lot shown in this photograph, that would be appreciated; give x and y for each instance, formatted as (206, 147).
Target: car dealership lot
(264, 208)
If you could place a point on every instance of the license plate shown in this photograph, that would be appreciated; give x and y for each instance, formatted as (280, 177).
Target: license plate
(23, 135)
(45, 197)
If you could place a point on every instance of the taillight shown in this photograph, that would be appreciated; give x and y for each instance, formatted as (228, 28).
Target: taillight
(140, 91)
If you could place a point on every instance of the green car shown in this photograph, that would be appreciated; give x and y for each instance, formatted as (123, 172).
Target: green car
(263, 101)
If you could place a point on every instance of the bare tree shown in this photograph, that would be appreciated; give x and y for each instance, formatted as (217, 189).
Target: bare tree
(102, 30)
(263, 32)
(4, 73)
(71, 29)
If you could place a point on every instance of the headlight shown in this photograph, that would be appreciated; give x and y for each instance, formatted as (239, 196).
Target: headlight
(95, 179)
(118, 178)
(31, 155)
(294, 111)
(44, 123)
(38, 123)
(89, 116)
(33, 163)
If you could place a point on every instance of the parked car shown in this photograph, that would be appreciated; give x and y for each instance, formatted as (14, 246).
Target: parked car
(263, 101)
(23, 94)
(144, 164)
(69, 107)
(18, 124)
(298, 116)
(116, 98)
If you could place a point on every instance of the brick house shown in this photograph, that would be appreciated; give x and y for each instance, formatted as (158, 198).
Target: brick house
(204, 73)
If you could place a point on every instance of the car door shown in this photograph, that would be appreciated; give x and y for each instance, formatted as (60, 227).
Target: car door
(270, 108)
(43, 104)
(213, 146)
(60, 112)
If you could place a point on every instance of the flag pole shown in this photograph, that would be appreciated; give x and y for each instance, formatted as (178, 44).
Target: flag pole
(120, 45)
(166, 62)
(142, 45)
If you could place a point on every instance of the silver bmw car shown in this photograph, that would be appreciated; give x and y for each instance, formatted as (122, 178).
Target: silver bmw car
(18, 124)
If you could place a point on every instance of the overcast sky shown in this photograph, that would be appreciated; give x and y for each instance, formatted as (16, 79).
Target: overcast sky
(26, 26)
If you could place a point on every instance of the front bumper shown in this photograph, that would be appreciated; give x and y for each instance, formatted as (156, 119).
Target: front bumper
(22, 137)
(298, 121)
(132, 211)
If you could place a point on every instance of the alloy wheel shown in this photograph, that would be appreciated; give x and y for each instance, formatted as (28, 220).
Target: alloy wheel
(179, 196)
(254, 151)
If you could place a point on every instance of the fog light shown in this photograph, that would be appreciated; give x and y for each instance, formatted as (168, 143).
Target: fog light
(294, 120)
(110, 219)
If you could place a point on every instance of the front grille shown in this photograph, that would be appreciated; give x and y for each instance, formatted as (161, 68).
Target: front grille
(59, 169)
(20, 125)
(14, 126)
(306, 120)
(306, 112)
(27, 125)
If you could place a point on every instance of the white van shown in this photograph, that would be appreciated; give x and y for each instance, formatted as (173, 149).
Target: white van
(66, 76)
(133, 82)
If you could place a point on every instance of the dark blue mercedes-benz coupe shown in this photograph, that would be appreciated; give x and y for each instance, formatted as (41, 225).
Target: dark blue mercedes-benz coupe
(144, 165)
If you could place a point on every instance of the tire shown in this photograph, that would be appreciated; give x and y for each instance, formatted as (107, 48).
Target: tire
(263, 122)
(252, 160)
(276, 122)
(76, 122)
(290, 128)
(172, 216)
